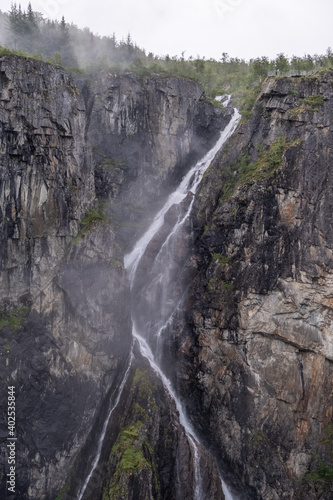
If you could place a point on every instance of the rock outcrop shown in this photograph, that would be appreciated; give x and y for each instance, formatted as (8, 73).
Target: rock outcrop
(146, 453)
(145, 134)
(64, 342)
(65, 328)
(255, 349)
(251, 344)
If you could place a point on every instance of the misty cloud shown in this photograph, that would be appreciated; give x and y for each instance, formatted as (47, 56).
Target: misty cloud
(243, 28)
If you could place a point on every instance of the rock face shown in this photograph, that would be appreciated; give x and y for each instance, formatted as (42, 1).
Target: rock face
(255, 349)
(145, 133)
(146, 453)
(65, 328)
(64, 343)
(251, 345)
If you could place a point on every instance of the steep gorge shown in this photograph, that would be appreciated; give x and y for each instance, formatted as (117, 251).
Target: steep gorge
(83, 171)
(65, 328)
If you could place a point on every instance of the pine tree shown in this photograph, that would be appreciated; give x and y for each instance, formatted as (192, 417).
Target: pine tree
(30, 14)
(65, 46)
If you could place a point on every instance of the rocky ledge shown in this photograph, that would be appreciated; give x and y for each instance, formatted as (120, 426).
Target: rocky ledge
(255, 348)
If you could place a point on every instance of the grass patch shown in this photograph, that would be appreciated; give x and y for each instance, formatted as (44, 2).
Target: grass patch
(13, 319)
(129, 447)
(117, 264)
(91, 218)
(10, 52)
(89, 221)
(221, 259)
(314, 101)
(127, 455)
(244, 171)
(311, 103)
(54, 61)
(323, 473)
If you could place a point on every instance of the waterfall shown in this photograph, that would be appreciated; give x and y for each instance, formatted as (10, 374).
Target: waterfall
(153, 280)
(227, 492)
(147, 353)
(105, 425)
(190, 183)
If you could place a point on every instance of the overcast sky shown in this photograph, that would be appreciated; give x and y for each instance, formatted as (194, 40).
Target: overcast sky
(242, 28)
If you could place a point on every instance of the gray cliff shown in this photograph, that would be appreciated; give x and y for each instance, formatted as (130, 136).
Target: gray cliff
(70, 161)
(254, 346)
(83, 170)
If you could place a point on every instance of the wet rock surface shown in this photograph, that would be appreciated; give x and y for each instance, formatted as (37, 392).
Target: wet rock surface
(64, 342)
(65, 329)
(249, 349)
(255, 350)
(145, 134)
(146, 453)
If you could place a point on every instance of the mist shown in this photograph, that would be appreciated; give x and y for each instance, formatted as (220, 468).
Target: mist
(81, 52)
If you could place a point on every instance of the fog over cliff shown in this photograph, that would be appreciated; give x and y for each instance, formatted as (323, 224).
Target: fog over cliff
(165, 272)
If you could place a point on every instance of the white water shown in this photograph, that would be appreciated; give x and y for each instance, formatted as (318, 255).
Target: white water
(160, 276)
(227, 492)
(147, 353)
(190, 182)
(102, 436)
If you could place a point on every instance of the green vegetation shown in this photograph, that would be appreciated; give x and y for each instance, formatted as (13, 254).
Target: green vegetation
(13, 319)
(244, 170)
(89, 221)
(327, 439)
(11, 52)
(212, 284)
(111, 165)
(64, 490)
(92, 217)
(215, 284)
(142, 383)
(322, 471)
(311, 103)
(117, 264)
(79, 50)
(245, 101)
(129, 448)
(257, 439)
(221, 259)
(314, 101)
(261, 449)
(133, 450)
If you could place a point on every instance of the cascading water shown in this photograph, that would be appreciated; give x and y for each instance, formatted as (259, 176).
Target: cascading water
(105, 425)
(227, 493)
(153, 267)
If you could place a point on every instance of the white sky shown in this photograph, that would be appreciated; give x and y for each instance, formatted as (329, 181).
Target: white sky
(242, 28)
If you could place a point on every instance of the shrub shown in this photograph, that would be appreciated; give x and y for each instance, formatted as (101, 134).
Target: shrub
(244, 171)
(223, 260)
(13, 319)
(89, 221)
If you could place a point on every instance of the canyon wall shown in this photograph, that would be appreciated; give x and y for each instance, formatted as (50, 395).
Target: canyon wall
(254, 347)
(69, 161)
(83, 170)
